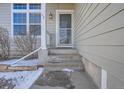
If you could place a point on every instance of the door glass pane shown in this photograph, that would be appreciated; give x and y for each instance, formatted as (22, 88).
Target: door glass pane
(65, 36)
(65, 20)
(65, 29)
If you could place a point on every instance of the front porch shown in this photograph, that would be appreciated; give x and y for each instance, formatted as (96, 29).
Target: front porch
(57, 28)
(58, 48)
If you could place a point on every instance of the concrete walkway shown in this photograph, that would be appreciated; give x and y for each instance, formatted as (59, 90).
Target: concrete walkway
(80, 80)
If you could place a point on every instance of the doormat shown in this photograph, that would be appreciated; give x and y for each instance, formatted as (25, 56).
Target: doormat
(56, 79)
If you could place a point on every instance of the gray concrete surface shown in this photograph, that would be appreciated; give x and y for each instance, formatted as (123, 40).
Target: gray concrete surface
(79, 78)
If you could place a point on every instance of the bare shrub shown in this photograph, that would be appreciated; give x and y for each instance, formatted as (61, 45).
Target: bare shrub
(4, 43)
(26, 44)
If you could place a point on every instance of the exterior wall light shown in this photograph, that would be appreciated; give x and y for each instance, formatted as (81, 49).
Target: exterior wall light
(50, 16)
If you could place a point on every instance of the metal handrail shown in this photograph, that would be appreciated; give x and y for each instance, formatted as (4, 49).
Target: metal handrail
(26, 56)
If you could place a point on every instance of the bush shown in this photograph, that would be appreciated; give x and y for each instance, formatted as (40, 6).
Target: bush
(26, 44)
(4, 43)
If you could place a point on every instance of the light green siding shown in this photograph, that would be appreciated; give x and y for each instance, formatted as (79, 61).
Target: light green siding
(5, 16)
(99, 35)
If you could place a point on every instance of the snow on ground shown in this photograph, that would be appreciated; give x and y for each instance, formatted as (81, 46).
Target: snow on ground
(21, 63)
(22, 79)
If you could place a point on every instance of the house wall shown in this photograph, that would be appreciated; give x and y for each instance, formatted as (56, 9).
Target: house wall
(93, 71)
(51, 23)
(99, 37)
(5, 22)
(5, 16)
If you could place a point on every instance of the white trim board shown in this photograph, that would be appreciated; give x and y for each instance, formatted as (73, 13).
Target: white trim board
(103, 79)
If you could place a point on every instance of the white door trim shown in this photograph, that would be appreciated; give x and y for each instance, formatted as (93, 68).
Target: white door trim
(103, 79)
(57, 26)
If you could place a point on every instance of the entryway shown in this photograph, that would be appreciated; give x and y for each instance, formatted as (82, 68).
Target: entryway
(64, 28)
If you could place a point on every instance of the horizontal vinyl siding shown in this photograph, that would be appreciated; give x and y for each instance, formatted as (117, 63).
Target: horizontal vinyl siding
(99, 35)
(114, 82)
(5, 16)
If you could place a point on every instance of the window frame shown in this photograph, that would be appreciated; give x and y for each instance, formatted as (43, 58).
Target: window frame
(27, 11)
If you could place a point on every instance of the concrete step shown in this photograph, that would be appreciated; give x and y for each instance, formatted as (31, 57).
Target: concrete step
(76, 65)
(61, 58)
(64, 57)
(62, 51)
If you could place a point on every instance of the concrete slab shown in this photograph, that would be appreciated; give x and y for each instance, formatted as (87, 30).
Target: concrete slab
(80, 80)
(44, 87)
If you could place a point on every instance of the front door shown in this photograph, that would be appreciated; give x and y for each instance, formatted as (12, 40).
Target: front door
(64, 28)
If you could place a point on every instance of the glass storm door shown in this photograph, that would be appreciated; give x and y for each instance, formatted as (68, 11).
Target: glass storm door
(64, 30)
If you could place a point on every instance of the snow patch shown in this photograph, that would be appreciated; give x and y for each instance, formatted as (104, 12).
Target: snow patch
(22, 79)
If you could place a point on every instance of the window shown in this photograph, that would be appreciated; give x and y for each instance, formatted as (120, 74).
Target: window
(35, 18)
(19, 17)
(35, 21)
(19, 29)
(35, 29)
(20, 6)
(26, 21)
(34, 6)
(19, 26)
